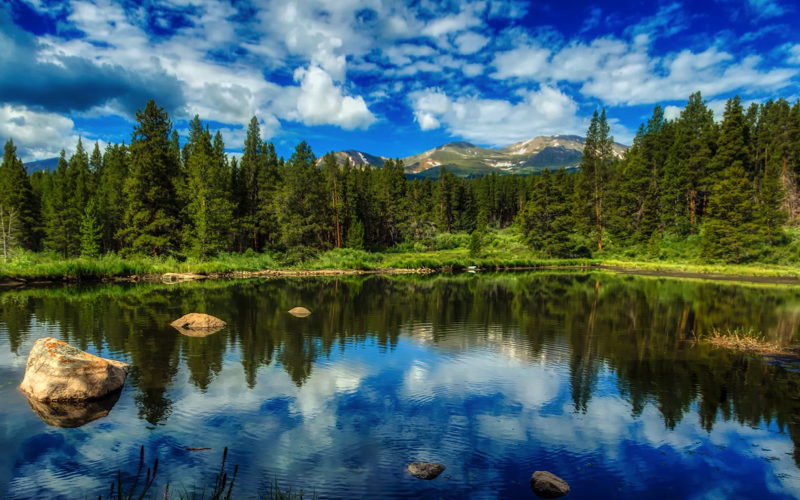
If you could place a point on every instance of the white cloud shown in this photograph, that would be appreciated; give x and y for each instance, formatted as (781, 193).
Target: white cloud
(794, 54)
(766, 8)
(672, 112)
(620, 73)
(320, 102)
(527, 62)
(470, 42)
(37, 135)
(498, 122)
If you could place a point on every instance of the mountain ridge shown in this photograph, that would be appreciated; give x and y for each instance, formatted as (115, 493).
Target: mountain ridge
(466, 159)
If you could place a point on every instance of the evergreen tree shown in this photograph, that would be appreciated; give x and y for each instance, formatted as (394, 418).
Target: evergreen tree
(210, 210)
(591, 187)
(17, 202)
(303, 203)
(91, 232)
(151, 217)
(248, 203)
(57, 214)
(730, 228)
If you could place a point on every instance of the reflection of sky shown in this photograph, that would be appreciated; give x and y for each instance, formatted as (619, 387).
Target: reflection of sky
(363, 414)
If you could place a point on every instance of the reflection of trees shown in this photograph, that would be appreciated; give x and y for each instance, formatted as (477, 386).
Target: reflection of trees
(639, 328)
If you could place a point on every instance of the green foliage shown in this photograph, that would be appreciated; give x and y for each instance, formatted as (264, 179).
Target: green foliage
(475, 243)
(151, 217)
(90, 232)
(735, 183)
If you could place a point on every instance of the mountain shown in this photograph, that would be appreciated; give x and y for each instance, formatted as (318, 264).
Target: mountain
(534, 155)
(46, 164)
(357, 158)
(465, 159)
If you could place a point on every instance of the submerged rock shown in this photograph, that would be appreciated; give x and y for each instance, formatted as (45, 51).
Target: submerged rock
(198, 325)
(300, 312)
(72, 414)
(56, 371)
(425, 470)
(548, 485)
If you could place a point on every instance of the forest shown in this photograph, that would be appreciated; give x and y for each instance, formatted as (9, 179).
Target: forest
(726, 190)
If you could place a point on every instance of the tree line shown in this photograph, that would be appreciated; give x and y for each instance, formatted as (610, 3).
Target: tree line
(733, 182)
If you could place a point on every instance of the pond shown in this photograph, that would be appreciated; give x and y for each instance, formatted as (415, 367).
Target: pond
(594, 376)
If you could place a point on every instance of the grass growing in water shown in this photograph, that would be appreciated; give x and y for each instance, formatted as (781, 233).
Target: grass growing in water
(744, 340)
(222, 488)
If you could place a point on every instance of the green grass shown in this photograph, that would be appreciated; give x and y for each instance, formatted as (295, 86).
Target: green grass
(501, 249)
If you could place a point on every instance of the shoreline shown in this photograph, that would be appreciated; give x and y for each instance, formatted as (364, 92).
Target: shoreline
(658, 270)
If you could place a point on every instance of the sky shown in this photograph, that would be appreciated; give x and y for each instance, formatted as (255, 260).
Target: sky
(387, 77)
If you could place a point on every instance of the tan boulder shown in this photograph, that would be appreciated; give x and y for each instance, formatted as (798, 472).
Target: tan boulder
(56, 371)
(300, 312)
(198, 325)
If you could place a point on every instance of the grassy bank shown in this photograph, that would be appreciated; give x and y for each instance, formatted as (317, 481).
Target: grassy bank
(500, 250)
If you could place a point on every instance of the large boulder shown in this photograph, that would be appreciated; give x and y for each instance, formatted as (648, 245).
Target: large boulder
(56, 371)
(300, 312)
(547, 485)
(198, 325)
(425, 470)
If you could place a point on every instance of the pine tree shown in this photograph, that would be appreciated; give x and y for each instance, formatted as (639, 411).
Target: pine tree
(771, 210)
(210, 212)
(151, 222)
(17, 201)
(355, 236)
(730, 227)
(591, 187)
(111, 201)
(304, 206)
(91, 232)
(57, 209)
(248, 204)
(80, 186)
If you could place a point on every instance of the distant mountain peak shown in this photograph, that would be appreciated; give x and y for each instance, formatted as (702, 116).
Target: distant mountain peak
(467, 159)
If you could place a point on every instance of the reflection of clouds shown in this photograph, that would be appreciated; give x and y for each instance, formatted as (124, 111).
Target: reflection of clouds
(361, 416)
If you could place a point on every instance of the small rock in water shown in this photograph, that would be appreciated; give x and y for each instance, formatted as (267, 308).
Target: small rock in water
(300, 312)
(547, 485)
(425, 470)
(198, 325)
(56, 371)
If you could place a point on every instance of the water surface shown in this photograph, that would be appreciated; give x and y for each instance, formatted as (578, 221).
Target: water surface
(596, 377)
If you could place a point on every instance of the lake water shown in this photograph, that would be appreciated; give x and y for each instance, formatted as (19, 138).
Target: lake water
(595, 377)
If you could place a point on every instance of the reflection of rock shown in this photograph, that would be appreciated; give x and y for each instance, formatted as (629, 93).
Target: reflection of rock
(198, 325)
(425, 470)
(547, 485)
(300, 312)
(71, 414)
(56, 371)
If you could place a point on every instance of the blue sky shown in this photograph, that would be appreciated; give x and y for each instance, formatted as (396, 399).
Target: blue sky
(389, 77)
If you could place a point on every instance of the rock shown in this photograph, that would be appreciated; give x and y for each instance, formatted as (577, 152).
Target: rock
(198, 325)
(300, 312)
(425, 470)
(72, 414)
(178, 277)
(547, 485)
(56, 371)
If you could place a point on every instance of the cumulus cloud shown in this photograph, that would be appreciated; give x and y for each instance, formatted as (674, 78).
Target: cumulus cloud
(37, 134)
(625, 73)
(470, 42)
(498, 122)
(320, 102)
